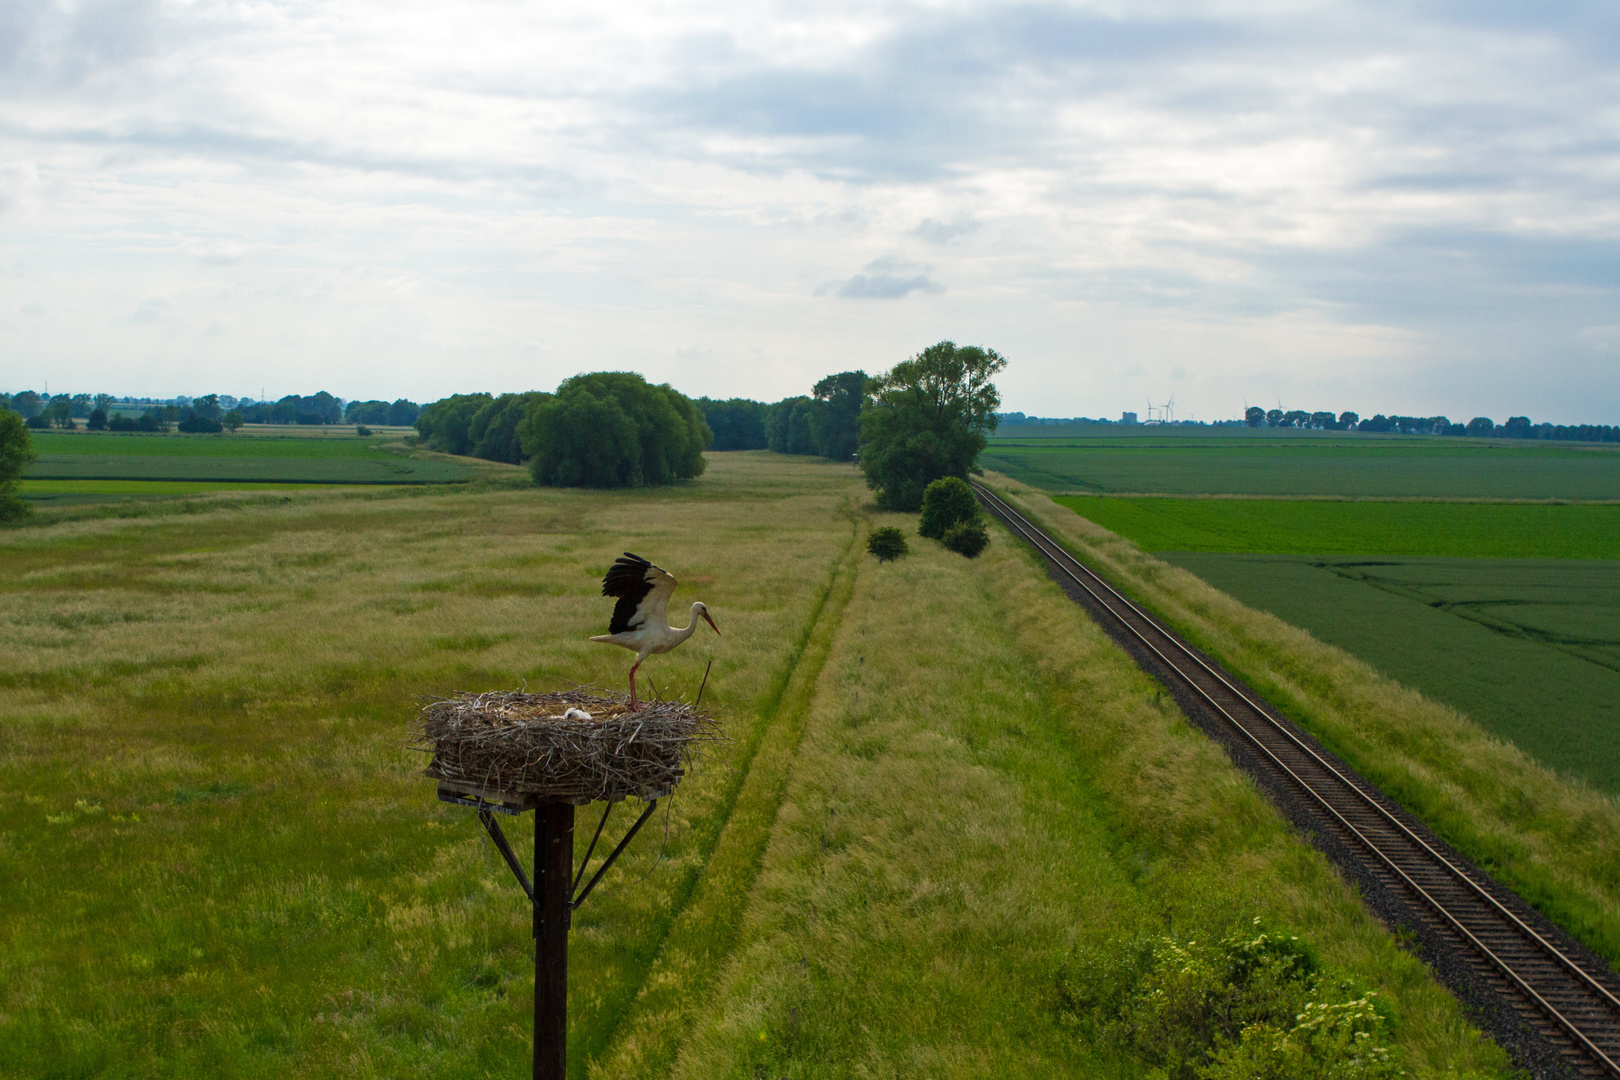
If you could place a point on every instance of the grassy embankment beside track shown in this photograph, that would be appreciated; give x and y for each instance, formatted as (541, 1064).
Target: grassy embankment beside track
(1555, 840)
(943, 783)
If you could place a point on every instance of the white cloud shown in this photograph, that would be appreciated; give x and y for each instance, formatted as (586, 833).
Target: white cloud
(1335, 200)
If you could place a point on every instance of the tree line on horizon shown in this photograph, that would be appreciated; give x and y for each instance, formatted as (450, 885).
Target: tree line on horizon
(1480, 427)
(208, 414)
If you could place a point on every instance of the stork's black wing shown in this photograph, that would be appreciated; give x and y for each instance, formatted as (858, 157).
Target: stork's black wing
(632, 579)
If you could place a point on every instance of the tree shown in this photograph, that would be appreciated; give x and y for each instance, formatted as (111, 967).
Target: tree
(403, 413)
(16, 452)
(444, 424)
(1517, 427)
(1348, 421)
(614, 429)
(1296, 418)
(835, 420)
(367, 412)
(59, 411)
(1254, 416)
(926, 419)
(208, 407)
(195, 423)
(1323, 421)
(887, 543)
(737, 423)
(26, 404)
(1274, 418)
(787, 426)
(97, 420)
(1481, 426)
(493, 430)
(233, 420)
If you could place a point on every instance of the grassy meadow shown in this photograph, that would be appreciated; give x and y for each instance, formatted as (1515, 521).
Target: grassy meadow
(944, 788)
(1552, 836)
(1243, 461)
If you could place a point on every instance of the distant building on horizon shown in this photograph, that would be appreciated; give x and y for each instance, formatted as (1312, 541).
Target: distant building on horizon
(1128, 418)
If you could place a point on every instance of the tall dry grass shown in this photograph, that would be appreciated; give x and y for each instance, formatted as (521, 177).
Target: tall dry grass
(1551, 837)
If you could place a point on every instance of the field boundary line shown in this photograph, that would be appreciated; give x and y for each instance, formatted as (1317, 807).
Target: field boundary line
(711, 904)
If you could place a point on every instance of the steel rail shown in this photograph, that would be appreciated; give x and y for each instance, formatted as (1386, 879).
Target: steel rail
(1063, 560)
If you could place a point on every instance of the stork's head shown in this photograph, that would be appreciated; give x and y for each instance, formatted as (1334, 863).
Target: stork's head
(700, 608)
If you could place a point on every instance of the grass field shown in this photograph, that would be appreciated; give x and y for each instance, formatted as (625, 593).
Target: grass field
(221, 861)
(1311, 463)
(1332, 527)
(1553, 837)
(301, 456)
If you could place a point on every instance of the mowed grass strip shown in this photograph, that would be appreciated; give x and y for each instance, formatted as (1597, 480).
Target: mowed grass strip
(220, 859)
(1552, 838)
(1333, 527)
(986, 786)
(675, 995)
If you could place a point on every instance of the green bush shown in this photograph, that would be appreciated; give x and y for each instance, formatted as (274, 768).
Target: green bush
(1255, 1006)
(967, 538)
(887, 544)
(945, 503)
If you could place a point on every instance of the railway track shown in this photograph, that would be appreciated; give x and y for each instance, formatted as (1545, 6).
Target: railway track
(1551, 1002)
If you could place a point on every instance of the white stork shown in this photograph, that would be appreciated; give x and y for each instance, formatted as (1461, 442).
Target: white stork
(640, 622)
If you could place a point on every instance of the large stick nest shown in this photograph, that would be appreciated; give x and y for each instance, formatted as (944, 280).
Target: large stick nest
(520, 744)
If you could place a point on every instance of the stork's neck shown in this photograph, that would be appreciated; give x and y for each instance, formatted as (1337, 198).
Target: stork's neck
(691, 625)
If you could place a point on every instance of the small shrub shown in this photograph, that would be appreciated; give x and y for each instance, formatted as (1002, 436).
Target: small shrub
(361, 430)
(967, 538)
(887, 544)
(1253, 1005)
(945, 503)
(197, 424)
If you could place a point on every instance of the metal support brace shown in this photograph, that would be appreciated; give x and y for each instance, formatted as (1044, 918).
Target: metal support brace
(486, 817)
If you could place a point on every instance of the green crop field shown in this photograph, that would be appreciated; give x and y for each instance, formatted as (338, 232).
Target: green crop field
(1528, 648)
(1509, 612)
(1334, 527)
(1311, 463)
(317, 458)
(947, 804)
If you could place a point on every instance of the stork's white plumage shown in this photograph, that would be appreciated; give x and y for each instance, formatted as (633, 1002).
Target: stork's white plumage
(640, 620)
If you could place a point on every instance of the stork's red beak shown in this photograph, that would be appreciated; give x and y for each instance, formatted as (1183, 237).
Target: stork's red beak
(710, 622)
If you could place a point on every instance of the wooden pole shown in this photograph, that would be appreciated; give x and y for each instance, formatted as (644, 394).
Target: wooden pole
(553, 881)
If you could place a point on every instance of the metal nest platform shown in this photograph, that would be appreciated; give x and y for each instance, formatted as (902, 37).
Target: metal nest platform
(513, 751)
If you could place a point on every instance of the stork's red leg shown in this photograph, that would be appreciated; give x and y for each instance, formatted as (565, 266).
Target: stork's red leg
(633, 705)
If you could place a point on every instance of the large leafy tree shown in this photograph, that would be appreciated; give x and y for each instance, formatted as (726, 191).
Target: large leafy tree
(445, 424)
(835, 421)
(927, 419)
(787, 426)
(16, 451)
(737, 423)
(493, 430)
(614, 429)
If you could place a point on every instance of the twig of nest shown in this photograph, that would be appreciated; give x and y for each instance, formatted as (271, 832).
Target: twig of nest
(540, 745)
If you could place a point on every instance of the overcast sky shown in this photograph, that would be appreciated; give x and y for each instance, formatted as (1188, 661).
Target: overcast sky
(1403, 207)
